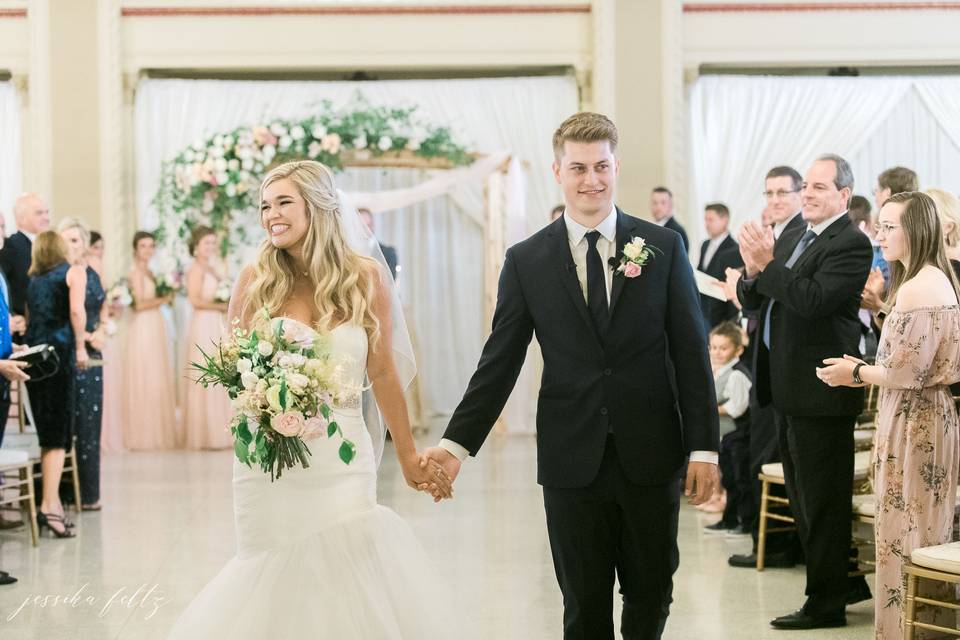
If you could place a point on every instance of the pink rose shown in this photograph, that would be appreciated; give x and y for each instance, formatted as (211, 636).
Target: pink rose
(314, 428)
(632, 270)
(289, 423)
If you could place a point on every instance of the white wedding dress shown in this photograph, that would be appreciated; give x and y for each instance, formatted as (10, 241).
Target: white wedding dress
(317, 557)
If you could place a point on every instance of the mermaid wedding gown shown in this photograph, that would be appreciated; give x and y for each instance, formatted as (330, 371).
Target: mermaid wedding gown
(317, 557)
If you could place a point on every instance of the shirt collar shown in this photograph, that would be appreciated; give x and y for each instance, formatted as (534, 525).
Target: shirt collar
(780, 226)
(730, 365)
(720, 238)
(820, 228)
(663, 221)
(30, 236)
(607, 227)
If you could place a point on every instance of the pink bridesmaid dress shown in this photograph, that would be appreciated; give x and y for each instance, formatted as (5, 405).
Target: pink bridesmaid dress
(206, 412)
(111, 435)
(149, 402)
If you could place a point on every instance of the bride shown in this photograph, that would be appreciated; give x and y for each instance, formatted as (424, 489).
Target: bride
(316, 555)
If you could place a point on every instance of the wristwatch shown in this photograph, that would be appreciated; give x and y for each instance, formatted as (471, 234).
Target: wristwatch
(856, 373)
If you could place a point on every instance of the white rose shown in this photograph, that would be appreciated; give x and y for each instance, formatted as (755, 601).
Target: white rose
(249, 380)
(314, 149)
(222, 177)
(244, 365)
(385, 143)
(278, 129)
(215, 152)
(188, 155)
(264, 348)
(318, 131)
(631, 250)
(268, 152)
(207, 205)
(247, 164)
(218, 140)
(297, 132)
(285, 142)
(220, 164)
(233, 165)
(298, 381)
(231, 190)
(413, 144)
(360, 142)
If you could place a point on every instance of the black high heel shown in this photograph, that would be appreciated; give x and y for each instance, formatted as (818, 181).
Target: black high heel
(44, 520)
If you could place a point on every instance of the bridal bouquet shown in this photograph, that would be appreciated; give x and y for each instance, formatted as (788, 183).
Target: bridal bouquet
(281, 390)
(168, 283)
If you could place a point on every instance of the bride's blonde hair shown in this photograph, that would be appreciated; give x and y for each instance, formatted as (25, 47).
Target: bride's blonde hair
(345, 281)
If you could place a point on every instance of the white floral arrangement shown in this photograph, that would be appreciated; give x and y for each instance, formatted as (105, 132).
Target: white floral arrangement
(223, 291)
(120, 295)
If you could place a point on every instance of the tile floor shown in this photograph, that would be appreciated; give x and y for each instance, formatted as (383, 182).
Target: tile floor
(167, 528)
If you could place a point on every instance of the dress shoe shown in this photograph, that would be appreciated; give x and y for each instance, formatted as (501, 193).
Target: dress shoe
(749, 561)
(6, 578)
(858, 594)
(800, 620)
(10, 524)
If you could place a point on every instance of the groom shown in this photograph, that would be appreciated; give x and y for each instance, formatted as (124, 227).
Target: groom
(627, 392)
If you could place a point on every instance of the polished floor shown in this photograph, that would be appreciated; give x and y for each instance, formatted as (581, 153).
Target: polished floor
(167, 528)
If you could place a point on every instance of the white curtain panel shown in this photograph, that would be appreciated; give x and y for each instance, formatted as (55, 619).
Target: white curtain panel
(10, 160)
(742, 126)
(439, 241)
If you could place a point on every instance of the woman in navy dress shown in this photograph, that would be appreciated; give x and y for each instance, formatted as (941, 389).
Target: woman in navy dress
(88, 399)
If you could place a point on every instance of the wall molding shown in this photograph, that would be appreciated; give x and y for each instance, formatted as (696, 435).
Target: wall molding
(789, 7)
(168, 12)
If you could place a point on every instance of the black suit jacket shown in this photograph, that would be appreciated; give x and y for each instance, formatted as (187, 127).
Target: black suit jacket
(390, 255)
(676, 226)
(727, 256)
(15, 262)
(593, 385)
(815, 317)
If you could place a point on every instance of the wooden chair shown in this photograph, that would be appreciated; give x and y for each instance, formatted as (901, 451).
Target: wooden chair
(940, 563)
(17, 471)
(772, 474)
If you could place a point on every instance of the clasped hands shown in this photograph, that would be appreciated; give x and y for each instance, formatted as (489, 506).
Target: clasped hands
(756, 247)
(432, 471)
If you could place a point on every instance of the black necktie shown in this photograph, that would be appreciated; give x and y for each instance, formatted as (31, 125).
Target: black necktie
(596, 285)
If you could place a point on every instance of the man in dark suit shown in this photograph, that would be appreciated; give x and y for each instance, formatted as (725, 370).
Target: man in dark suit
(389, 253)
(717, 254)
(782, 214)
(807, 290)
(612, 435)
(33, 217)
(661, 207)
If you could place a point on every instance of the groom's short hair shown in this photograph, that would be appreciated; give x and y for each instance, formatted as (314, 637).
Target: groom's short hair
(585, 126)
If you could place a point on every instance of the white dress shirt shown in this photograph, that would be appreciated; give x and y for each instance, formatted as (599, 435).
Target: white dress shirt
(780, 226)
(737, 389)
(712, 247)
(607, 248)
(663, 221)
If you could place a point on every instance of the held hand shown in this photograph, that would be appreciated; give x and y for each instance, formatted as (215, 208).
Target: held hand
(449, 464)
(430, 477)
(702, 481)
(839, 371)
(12, 370)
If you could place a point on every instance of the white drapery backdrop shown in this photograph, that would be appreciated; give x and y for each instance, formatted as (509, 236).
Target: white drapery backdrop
(439, 241)
(741, 126)
(10, 159)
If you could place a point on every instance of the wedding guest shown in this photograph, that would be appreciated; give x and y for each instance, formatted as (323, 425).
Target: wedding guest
(389, 253)
(661, 208)
(556, 212)
(918, 435)
(33, 217)
(10, 371)
(948, 208)
(783, 213)
(7, 328)
(806, 288)
(55, 304)
(95, 253)
(148, 398)
(86, 290)
(732, 381)
(893, 181)
(206, 412)
(717, 254)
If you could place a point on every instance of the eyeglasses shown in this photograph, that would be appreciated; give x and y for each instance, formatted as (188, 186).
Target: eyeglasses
(780, 194)
(886, 227)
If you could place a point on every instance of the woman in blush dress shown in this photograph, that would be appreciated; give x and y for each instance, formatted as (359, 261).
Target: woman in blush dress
(918, 435)
(88, 397)
(206, 412)
(148, 399)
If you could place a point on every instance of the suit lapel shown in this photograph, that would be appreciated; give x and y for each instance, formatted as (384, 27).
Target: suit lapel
(624, 227)
(567, 273)
(818, 246)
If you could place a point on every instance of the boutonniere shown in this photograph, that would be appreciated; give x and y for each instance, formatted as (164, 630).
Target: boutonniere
(636, 254)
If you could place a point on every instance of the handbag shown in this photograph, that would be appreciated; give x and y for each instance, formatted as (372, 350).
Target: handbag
(42, 361)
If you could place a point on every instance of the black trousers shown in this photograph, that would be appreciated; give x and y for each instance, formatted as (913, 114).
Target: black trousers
(4, 405)
(614, 528)
(734, 462)
(818, 469)
(764, 449)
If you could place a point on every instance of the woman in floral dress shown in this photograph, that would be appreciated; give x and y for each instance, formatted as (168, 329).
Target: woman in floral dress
(917, 428)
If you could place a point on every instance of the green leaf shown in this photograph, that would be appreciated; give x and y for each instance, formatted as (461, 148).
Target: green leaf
(332, 429)
(283, 394)
(348, 451)
(325, 411)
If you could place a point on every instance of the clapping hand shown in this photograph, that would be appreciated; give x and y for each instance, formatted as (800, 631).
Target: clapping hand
(448, 463)
(756, 247)
(872, 297)
(729, 286)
